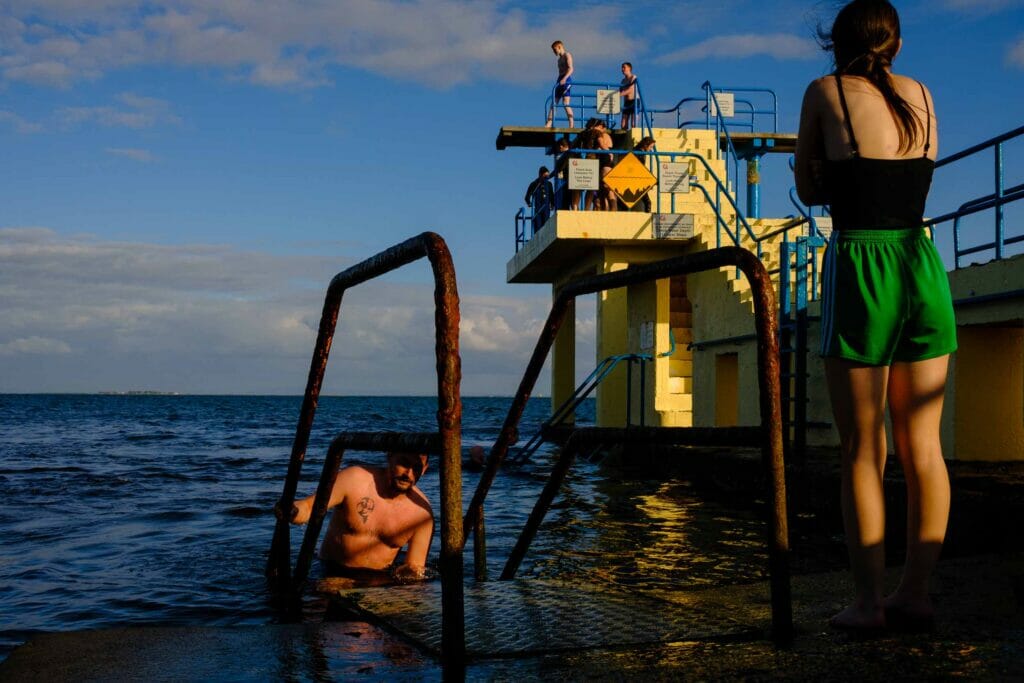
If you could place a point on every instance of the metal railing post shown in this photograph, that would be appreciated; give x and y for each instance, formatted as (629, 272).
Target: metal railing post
(999, 197)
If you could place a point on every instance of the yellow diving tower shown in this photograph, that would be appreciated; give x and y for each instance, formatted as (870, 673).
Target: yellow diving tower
(697, 188)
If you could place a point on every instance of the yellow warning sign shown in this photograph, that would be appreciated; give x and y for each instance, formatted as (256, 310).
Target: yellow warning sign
(630, 180)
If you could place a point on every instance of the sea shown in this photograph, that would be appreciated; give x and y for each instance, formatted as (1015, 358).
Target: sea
(123, 510)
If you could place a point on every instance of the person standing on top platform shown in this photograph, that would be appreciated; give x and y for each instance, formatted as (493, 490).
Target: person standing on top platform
(627, 91)
(563, 86)
(867, 146)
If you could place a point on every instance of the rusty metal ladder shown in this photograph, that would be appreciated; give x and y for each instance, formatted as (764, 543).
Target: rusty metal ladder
(447, 441)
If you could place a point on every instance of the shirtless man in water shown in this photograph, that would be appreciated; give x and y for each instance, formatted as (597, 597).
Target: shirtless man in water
(380, 510)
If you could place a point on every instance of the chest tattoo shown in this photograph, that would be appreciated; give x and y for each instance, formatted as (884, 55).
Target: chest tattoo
(364, 507)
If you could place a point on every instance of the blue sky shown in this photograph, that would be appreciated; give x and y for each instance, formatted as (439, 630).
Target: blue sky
(179, 181)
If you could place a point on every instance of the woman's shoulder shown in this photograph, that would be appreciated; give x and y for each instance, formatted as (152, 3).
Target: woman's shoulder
(909, 84)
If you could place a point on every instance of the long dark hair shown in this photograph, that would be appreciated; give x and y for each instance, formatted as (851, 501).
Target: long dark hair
(863, 41)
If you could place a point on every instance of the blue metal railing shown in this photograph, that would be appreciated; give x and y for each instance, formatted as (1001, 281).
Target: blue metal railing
(584, 105)
(996, 200)
(587, 387)
(747, 111)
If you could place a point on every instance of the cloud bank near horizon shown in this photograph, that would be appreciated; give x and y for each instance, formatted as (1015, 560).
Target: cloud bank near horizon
(83, 314)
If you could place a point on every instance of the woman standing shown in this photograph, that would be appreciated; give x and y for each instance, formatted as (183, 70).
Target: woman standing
(867, 146)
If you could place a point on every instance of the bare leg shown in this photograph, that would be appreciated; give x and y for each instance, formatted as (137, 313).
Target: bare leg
(916, 391)
(858, 405)
(569, 112)
(551, 116)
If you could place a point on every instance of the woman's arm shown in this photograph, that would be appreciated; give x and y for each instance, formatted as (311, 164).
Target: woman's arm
(809, 165)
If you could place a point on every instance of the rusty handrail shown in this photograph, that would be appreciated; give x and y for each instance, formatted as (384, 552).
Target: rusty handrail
(766, 326)
(449, 421)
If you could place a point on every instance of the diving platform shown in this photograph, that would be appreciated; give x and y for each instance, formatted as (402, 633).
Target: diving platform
(544, 137)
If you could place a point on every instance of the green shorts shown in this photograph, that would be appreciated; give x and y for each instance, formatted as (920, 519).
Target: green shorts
(885, 298)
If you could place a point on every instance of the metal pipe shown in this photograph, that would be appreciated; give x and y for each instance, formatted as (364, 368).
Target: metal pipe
(540, 508)
(999, 195)
(480, 548)
(643, 392)
(754, 186)
(316, 518)
(980, 146)
(629, 391)
(449, 418)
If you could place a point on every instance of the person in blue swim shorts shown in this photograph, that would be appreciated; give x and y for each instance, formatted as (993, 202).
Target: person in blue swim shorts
(563, 86)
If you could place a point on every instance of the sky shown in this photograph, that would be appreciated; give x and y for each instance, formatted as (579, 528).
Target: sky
(179, 181)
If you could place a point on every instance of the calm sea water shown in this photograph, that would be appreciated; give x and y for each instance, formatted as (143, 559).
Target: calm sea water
(126, 510)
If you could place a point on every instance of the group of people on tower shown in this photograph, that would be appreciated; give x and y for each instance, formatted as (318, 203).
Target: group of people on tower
(563, 90)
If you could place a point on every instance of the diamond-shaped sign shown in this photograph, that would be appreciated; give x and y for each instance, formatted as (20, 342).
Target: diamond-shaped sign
(630, 180)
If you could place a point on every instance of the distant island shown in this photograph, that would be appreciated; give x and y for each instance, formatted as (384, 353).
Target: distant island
(137, 392)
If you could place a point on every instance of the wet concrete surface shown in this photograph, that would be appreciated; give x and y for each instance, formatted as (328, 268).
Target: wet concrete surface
(979, 635)
(978, 590)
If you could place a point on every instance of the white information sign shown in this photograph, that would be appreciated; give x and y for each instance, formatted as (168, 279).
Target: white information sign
(584, 174)
(608, 102)
(674, 177)
(673, 226)
(726, 102)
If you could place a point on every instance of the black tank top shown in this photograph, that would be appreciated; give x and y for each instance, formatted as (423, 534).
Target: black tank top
(878, 193)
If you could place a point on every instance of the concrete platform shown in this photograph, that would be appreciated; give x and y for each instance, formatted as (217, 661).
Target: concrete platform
(980, 635)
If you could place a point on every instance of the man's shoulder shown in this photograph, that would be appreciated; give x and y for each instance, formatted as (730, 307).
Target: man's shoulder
(353, 473)
(417, 497)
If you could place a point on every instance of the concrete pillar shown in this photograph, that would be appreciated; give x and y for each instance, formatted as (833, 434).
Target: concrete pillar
(989, 404)
(612, 339)
(563, 361)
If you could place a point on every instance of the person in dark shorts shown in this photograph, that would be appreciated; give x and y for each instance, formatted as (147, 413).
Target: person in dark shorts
(866, 146)
(605, 199)
(563, 86)
(627, 91)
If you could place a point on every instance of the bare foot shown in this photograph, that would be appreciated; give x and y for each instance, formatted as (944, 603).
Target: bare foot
(904, 613)
(920, 607)
(856, 618)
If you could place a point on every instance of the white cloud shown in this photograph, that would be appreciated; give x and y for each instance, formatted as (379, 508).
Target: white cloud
(133, 111)
(1015, 54)
(33, 345)
(141, 155)
(277, 43)
(780, 46)
(86, 314)
(18, 123)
